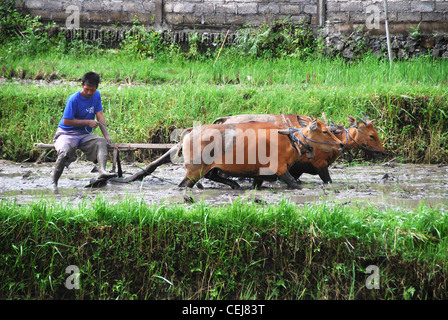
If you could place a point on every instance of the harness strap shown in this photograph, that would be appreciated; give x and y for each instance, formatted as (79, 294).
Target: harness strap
(360, 145)
(347, 135)
(309, 139)
(298, 142)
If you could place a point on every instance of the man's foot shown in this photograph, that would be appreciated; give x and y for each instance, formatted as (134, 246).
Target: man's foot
(107, 175)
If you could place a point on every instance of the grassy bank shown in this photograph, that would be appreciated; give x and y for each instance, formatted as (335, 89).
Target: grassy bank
(151, 85)
(132, 250)
(146, 99)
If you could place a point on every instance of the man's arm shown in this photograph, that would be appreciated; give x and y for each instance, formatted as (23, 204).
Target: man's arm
(78, 123)
(100, 117)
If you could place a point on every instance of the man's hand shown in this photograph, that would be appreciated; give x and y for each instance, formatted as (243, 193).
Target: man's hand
(108, 139)
(92, 124)
(102, 121)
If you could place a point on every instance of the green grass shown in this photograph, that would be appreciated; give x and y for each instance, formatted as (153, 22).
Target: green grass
(117, 66)
(151, 87)
(131, 250)
(146, 99)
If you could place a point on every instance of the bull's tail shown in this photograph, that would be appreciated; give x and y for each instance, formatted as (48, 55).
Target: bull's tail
(179, 145)
(220, 120)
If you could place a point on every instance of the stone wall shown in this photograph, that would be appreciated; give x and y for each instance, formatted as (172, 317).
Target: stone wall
(416, 27)
(338, 16)
(337, 20)
(403, 15)
(218, 15)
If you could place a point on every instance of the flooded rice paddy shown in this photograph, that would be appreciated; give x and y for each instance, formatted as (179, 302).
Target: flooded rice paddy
(385, 185)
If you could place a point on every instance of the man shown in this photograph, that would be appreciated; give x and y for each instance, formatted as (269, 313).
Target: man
(75, 127)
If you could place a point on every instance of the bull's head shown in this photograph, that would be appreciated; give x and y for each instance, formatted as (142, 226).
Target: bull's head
(367, 137)
(315, 134)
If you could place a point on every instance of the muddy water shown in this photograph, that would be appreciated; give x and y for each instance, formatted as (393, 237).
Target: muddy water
(394, 185)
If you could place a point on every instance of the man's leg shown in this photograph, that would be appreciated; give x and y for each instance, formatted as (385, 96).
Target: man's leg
(95, 148)
(66, 146)
(58, 169)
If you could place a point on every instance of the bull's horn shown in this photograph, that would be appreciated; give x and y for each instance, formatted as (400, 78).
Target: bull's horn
(362, 120)
(284, 121)
(325, 118)
(283, 131)
(219, 120)
(365, 116)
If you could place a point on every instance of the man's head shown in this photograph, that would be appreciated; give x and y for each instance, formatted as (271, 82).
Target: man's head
(89, 82)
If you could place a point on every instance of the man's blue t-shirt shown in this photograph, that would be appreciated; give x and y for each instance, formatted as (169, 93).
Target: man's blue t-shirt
(78, 107)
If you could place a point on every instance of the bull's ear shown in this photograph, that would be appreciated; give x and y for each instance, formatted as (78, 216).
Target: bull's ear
(303, 123)
(313, 125)
(352, 122)
(284, 131)
(373, 121)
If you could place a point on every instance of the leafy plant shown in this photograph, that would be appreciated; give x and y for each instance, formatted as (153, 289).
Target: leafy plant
(194, 42)
(279, 38)
(415, 34)
(142, 42)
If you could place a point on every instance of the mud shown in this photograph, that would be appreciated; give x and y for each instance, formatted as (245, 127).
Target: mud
(384, 185)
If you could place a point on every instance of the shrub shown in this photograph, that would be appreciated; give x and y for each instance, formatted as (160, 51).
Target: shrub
(142, 42)
(280, 38)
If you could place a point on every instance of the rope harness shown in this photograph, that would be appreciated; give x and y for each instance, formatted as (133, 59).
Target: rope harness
(308, 148)
(347, 135)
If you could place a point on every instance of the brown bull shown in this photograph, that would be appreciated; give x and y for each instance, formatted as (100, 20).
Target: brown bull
(358, 136)
(361, 135)
(260, 150)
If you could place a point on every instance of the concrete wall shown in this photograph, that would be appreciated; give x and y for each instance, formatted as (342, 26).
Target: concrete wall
(221, 15)
(347, 15)
(218, 15)
(336, 20)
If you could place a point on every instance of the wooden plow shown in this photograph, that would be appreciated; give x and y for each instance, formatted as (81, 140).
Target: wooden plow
(116, 147)
(121, 146)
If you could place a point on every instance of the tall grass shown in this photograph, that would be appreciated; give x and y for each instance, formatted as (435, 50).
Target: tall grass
(117, 66)
(132, 250)
(150, 86)
(409, 100)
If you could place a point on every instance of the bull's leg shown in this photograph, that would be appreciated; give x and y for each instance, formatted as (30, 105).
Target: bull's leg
(289, 180)
(296, 171)
(214, 176)
(187, 182)
(257, 183)
(324, 174)
(191, 177)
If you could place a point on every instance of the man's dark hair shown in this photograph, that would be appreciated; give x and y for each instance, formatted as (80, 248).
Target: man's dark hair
(91, 79)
